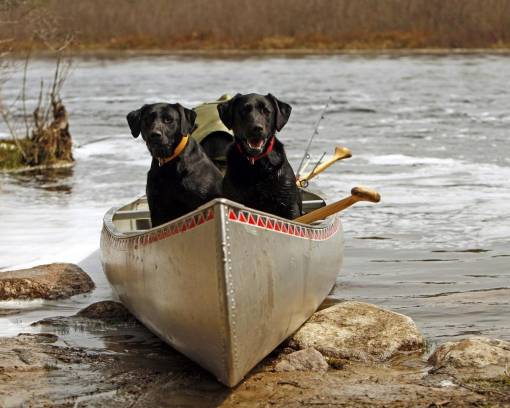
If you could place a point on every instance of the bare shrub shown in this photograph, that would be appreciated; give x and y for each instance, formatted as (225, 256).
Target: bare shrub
(43, 138)
(50, 137)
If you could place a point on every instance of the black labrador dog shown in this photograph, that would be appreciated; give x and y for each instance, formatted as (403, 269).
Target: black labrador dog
(181, 177)
(258, 172)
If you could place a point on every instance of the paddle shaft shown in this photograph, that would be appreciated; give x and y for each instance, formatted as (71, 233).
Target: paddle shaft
(357, 194)
(328, 210)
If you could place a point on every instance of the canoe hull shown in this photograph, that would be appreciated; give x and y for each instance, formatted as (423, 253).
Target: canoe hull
(224, 285)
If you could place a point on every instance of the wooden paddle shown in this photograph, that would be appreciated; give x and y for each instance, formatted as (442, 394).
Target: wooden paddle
(340, 153)
(357, 194)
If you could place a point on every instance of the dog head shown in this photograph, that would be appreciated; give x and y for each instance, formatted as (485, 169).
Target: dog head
(162, 126)
(254, 119)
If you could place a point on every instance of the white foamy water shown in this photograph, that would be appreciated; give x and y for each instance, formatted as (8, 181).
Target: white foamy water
(430, 133)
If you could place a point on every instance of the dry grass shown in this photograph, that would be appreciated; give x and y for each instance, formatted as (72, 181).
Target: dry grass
(258, 24)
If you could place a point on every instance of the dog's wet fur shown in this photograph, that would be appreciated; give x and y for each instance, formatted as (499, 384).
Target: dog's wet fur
(267, 183)
(187, 181)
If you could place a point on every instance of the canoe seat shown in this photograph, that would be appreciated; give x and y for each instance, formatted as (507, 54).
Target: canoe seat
(129, 214)
(132, 220)
(310, 205)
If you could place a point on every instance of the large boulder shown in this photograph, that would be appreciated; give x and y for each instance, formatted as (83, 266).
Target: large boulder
(53, 281)
(359, 331)
(473, 353)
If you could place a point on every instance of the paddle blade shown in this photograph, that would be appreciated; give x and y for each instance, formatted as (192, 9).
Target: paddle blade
(339, 154)
(342, 153)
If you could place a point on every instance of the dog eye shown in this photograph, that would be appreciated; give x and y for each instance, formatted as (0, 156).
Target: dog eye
(265, 111)
(167, 120)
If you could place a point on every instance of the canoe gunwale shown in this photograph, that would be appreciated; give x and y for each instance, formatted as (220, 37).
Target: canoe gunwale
(109, 224)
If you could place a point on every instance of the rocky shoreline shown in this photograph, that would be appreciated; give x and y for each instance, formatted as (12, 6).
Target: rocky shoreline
(348, 354)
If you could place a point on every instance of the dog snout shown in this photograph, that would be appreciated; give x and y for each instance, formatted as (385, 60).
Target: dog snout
(155, 135)
(257, 129)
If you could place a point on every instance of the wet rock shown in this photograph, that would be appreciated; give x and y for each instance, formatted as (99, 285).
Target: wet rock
(106, 310)
(33, 338)
(359, 331)
(99, 315)
(53, 281)
(303, 360)
(492, 355)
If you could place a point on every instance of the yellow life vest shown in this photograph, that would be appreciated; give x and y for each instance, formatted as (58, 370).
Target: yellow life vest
(208, 119)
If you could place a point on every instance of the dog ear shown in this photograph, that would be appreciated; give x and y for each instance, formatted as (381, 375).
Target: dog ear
(281, 110)
(134, 119)
(226, 111)
(188, 117)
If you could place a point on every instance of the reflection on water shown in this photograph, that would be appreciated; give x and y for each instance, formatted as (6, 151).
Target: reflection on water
(430, 133)
(56, 180)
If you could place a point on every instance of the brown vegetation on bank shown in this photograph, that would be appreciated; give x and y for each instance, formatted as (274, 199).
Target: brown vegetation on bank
(261, 24)
(41, 139)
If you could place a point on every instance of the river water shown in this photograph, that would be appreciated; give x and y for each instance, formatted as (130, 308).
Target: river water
(430, 133)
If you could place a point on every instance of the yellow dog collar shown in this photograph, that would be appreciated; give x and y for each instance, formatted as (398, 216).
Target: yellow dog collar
(178, 150)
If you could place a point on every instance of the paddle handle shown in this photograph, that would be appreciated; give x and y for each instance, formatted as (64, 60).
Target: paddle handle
(357, 194)
(340, 154)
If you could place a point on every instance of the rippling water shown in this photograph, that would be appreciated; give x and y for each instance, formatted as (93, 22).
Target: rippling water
(430, 133)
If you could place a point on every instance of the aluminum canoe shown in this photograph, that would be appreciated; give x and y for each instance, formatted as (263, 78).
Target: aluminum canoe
(224, 284)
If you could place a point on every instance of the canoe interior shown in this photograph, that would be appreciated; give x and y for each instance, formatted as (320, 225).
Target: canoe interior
(135, 217)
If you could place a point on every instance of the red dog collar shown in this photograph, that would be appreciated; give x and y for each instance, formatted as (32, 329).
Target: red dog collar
(253, 159)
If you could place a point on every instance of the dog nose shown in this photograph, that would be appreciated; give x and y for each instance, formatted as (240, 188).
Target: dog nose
(155, 135)
(258, 129)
